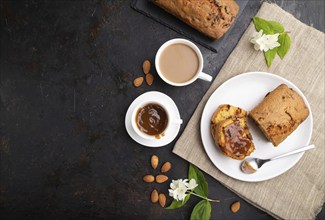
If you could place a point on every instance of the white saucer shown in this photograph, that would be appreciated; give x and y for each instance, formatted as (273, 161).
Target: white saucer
(173, 130)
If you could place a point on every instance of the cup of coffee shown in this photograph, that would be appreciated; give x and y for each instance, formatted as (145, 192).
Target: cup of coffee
(152, 119)
(179, 62)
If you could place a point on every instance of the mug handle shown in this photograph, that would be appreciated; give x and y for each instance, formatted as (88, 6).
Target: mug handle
(205, 77)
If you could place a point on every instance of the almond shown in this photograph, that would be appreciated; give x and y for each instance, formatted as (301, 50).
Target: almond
(154, 196)
(149, 178)
(154, 161)
(235, 207)
(138, 81)
(149, 79)
(162, 199)
(146, 66)
(166, 167)
(161, 178)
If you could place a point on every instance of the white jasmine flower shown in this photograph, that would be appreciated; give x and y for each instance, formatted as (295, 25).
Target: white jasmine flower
(178, 193)
(265, 42)
(256, 37)
(192, 184)
(178, 189)
(182, 193)
(272, 41)
(177, 183)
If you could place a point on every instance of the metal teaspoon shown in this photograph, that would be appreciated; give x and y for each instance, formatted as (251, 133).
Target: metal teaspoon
(251, 165)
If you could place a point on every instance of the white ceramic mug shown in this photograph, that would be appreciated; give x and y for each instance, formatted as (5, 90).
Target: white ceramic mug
(198, 75)
(169, 122)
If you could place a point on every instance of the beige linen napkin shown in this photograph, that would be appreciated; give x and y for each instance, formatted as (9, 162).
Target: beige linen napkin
(299, 193)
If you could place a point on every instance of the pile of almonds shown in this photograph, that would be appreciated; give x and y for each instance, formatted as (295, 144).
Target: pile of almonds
(146, 70)
(160, 178)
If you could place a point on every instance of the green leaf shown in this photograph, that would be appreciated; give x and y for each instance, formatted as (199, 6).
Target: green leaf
(285, 42)
(269, 56)
(260, 23)
(268, 27)
(201, 211)
(195, 173)
(177, 204)
(276, 27)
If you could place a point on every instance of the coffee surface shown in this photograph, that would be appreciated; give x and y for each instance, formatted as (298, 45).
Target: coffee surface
(152, 119)
(178, 63)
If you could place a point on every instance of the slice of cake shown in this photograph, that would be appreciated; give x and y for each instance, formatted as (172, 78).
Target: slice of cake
(280, 113)
(224, 112)
(230, 132)
(234, 138)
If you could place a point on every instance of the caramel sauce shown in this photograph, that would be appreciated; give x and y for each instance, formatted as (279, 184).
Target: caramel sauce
(246, 167)
(235, 142)
(152, 119)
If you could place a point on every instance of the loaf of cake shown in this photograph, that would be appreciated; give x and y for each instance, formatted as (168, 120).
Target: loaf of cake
(211, 17)
(230, 132)
(280, 113)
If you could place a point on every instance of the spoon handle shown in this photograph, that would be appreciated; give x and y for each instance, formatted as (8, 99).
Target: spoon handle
(294, 152)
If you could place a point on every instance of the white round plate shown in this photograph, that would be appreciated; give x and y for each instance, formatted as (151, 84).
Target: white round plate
(170, 135)
(246, 91)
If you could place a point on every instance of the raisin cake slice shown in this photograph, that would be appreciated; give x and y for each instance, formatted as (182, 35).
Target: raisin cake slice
(280, 113)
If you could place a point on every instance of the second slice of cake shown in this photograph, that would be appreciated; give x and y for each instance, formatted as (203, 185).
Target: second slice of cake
(280, 113)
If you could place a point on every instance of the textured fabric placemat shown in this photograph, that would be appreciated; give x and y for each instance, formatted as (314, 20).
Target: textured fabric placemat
(300, 192)
(151, 10)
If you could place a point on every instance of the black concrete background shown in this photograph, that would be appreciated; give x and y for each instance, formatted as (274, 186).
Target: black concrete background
(66, 83)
